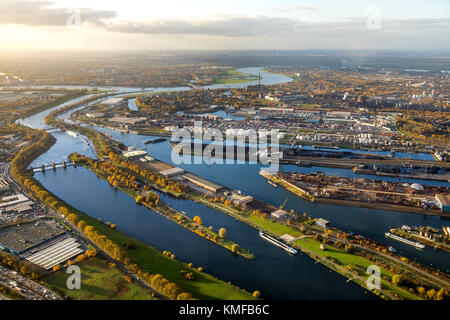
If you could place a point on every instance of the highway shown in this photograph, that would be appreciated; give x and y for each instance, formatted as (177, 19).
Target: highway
(31, 290)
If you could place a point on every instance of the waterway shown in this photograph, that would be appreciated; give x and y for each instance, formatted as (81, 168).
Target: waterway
(275, 273)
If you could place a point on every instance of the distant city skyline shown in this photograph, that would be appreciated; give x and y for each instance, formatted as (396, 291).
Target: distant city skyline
(224, 25)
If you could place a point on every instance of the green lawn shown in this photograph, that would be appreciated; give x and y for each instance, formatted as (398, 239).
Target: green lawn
(233, 77)
(98, 282)
(153, 261)
(273, 226)
(360, 263)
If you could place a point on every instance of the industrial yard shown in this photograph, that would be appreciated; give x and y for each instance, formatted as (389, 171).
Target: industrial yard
(364, 192)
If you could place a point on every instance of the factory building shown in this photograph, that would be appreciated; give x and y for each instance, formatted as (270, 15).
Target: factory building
(205, 184)
(4, 186)
(443, 201)
(322, 223)
(171, 172)
(111, 102)
(279, 214)
(135, 154)
(241, 199)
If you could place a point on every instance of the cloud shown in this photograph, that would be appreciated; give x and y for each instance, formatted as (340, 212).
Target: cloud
(276, 26)
(243, 30)
(295, 9)
(43, 13)
(223, 26)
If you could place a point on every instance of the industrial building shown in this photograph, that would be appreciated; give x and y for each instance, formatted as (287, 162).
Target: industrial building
(171, 172)
(4, 186)
(279, 214)
(135, 154)
(128, 120)
(205, 184)
(322, 223)
(57, 253)
(12, 200)
(111, 102)
(241, 199)
(94, 115)
(443, 201)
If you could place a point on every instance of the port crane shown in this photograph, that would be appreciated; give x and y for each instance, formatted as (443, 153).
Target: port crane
(284, 203)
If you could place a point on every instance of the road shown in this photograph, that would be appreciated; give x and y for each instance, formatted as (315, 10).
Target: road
(437, 281)
(119, 265)
(26, 287)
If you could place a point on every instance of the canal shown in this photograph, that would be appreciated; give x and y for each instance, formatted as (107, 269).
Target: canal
(275, 273)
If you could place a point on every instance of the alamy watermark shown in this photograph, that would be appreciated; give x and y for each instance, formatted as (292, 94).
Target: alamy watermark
(373, 21)
(74, 18)
(74, 280)
(235, 146)
(374, 279)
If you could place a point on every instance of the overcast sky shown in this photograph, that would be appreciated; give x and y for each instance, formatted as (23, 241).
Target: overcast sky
(226, 24)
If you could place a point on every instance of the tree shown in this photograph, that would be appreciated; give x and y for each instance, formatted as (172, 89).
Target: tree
(421, 290)
(431, 293)
(397, 279)
(139, 199)
(222, 232)
(81, 225)
(184, 296)
(256, 293)
(198, 220)
(234, 248)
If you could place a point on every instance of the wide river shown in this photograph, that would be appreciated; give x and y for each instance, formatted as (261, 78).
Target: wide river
(275, 273)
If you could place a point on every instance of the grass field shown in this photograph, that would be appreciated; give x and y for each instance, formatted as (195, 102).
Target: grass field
(233, 77)
(356, 262)
(99, 281)
(153, 261)
(273, 226)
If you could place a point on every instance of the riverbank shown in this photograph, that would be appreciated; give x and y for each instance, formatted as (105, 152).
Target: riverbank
(146, 257)
(346, 254)
(421, 239)
(304, 194)
(162, 208)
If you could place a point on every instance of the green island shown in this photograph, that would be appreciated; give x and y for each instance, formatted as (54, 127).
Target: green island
(178, 278)
(233, 77)
(118, 177)
(345, 254)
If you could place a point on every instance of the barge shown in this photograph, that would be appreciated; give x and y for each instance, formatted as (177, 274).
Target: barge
(411, 243)
(278, 243)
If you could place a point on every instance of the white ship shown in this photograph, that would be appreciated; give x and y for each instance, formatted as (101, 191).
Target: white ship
(72, 134)
(277, 243)
(411, 243)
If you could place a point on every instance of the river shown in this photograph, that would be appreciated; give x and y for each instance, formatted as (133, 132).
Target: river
(275, 273)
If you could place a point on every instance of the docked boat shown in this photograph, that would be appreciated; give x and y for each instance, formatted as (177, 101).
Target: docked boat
(278, 243)
(72, 134)
(411, 243)
(392, 249)
(273, 184)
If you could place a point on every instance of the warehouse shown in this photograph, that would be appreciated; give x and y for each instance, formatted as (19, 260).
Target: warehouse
(111, 102)
(241, 199)
(279, 214)
(12, 200)
(205, 184)
(135, 154)
(4, 186)
(56, 253)
(443, 201)
(171, 172)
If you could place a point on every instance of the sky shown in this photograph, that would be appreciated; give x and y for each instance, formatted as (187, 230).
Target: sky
(224, 25)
